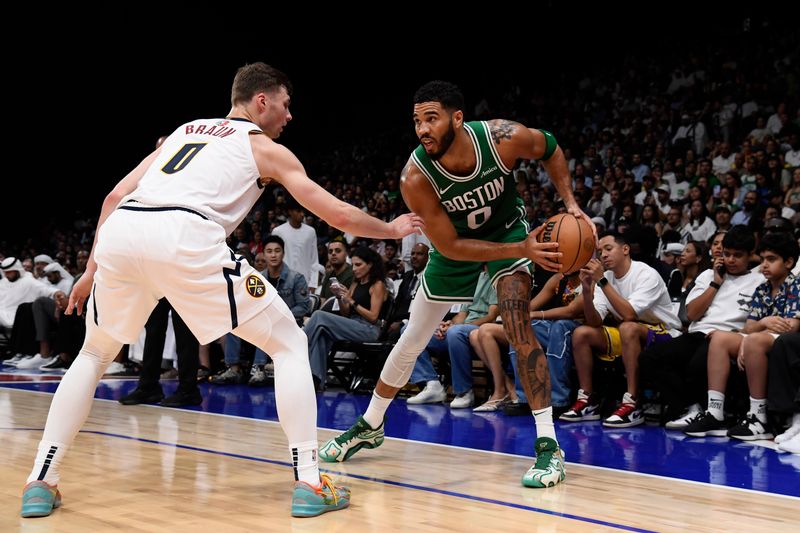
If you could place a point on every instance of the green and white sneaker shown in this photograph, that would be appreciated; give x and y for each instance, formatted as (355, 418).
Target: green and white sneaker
(549, 468)
(361, 435)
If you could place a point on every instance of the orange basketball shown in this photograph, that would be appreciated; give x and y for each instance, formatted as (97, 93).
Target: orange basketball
(574, 237)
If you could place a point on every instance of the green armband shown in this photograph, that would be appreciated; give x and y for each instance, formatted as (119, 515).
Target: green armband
(551, 145)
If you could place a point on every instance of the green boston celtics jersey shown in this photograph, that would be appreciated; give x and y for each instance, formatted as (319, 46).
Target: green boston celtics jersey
(483, 203)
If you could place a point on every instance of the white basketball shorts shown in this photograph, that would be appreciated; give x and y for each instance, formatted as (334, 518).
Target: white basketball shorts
(146, 253)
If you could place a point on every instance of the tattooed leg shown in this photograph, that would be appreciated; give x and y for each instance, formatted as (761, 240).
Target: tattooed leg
(513, 292)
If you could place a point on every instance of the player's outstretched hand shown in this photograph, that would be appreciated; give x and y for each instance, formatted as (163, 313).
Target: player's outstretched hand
(80, 291)
(406, 225)
(541, 252)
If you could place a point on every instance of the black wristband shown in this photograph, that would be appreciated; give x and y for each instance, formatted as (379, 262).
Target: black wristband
(603, 282)
(714, 284)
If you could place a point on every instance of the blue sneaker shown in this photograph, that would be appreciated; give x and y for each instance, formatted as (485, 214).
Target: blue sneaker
(39, 499)
(313, 501)
(361, 435)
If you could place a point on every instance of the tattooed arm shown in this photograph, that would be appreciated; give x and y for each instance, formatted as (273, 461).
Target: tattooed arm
(513, 292)
(515, 141)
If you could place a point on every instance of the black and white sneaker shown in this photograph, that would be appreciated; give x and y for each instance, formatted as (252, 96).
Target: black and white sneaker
(56, 365)
(706, 425)
(751, 428)
(585, 408)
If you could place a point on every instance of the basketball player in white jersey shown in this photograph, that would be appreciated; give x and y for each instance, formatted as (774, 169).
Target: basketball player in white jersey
(161, 233)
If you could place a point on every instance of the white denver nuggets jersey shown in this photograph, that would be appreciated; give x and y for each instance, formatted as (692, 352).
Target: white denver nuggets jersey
(206, 166)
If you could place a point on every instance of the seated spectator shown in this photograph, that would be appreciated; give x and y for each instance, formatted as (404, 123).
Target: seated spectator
(784, 388)
(338, 268)
(719, 301)
(774, 309)
(292, 288)
(20, 288)
(409, 284)
(637, 297)
(555, 312)
(359, 306)
(452, 338)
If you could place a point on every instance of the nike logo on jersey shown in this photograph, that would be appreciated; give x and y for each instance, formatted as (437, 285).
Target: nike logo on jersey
(442, 191)
(509, 224)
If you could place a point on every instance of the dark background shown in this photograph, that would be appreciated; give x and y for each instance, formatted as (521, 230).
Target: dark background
(86, 111)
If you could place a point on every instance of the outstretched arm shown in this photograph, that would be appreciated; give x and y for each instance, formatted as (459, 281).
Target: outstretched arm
(79, 293)
(421, 199)
(280, 164)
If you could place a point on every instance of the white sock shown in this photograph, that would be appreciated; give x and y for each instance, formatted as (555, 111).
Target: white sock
(759, 408)
(304, 461)
(48, 458)
(796, 420)
(544, 423)
(376, 410)
(716, 404)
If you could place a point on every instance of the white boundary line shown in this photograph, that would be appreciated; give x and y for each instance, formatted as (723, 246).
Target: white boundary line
(460, 448)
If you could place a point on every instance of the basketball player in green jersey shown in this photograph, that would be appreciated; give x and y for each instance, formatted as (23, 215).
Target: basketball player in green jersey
(459, 181)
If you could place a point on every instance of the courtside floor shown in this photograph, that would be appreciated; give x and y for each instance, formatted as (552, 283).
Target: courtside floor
(224, 464)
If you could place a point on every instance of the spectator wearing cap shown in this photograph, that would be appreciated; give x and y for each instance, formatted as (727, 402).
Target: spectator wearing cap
(600, 223)
(671, 252)
(662, 200)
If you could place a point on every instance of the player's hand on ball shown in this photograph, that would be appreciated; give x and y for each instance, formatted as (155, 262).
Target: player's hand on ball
(542, 253)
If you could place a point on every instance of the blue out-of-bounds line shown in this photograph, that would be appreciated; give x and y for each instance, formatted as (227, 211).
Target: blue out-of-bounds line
(369, 478)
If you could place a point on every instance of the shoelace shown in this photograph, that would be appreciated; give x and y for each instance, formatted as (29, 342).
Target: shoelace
(579, 405)
(625, 409)
(326, 481)
(348, 435)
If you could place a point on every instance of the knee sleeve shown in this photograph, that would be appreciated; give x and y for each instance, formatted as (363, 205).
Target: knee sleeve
(424, 318)
(99, 345)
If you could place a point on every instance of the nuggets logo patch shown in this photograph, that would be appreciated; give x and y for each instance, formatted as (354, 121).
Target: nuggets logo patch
(255, 287)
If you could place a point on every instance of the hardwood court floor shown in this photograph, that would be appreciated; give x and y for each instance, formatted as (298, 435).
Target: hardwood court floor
(145, 468)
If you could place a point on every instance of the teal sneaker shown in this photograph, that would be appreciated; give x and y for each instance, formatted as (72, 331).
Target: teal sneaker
(361, 435)
(549, 468)
(313, 501)
(39, 499)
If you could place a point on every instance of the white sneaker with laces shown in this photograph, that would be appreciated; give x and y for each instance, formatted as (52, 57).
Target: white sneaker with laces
(33, 362)
(432, 393)
(684, 421)
(463, 401)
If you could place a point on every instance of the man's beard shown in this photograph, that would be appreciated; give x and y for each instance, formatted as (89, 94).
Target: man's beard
(447, 140)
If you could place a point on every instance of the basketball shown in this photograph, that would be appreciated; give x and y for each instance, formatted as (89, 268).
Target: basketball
(574, 237)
